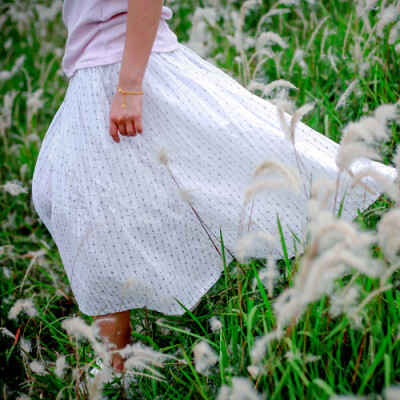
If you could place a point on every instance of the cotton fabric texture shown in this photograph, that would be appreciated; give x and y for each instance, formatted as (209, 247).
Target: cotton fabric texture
(126, 235)
(96, 33)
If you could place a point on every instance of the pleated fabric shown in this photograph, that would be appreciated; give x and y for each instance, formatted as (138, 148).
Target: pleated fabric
(127, 235)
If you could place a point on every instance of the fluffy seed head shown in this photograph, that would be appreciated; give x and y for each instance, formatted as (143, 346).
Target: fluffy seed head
(78, 328)
(265, 178)
(247, 245)
(386, 17)
(298, 58)
(392, 393)
(37, 368)
(61, 365)
(163, 156)
(23, 397)
(34, 102)
(267, 276)
(259, 348)
(360, 138)
(389, 234)
(7, 272)
(387, 186)
(133, 286)
(186, 194)
(215, 324)
(25, 345)
(6, 332)
(343, 301)
(277, 84)
(204, 357)
(322, 190)
(14, 188)
(314, 34)
(297, 116)
(23, 305)
(140, 357)
(365, 6)
(343, 98)
(254, 371)
(269, 38)
(242, 388)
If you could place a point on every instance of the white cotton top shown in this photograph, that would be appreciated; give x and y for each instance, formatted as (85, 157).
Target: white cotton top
(96, 33)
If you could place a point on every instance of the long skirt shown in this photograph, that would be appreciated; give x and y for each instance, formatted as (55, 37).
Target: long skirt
(138, 223)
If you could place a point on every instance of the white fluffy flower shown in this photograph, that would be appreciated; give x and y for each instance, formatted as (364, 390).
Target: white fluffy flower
(386, 16)
(4, 331)
(251, 243)
(392, 393)
(360, 139)
(254, 371)
(23, 305)
(61, 365)
(140, 357)
(267, 276)
(270, 38)
(37, 368)
(216, 324)
(26, 345)
(271, 175)
(200, 37)
(14, 188)
(77, 327)
(7, 272)
(242, 388)
(389, 234)
(343, 98)
(23, 397)
(204, 357)
(163, 156)
(34, 102)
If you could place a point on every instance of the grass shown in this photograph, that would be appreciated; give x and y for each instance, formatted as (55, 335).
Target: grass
(319, 355)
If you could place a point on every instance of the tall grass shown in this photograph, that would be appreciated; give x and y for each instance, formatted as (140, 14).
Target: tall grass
(261, 331)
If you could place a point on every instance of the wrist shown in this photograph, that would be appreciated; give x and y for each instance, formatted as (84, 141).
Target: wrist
(130, 83)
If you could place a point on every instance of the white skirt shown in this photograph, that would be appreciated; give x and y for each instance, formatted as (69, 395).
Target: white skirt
(127, 236)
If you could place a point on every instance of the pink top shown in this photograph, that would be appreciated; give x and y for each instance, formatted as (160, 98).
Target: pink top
(96, 33)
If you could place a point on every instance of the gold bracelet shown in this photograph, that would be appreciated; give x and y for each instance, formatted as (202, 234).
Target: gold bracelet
(124, 92)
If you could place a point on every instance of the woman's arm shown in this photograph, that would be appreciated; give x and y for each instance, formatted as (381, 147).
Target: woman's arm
(142, 24)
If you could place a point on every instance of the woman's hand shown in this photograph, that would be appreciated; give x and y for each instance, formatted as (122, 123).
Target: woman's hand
(128, 120)
(141, 28)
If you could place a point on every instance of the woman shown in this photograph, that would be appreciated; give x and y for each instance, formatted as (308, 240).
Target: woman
(135, 187)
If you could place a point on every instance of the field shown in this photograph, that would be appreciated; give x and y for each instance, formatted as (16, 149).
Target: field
(322, 325)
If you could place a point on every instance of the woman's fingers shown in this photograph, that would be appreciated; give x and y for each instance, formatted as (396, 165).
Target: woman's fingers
(130, 129)
(128, 121)
(138, 125)
(114, 131)
(127, 128)
(122, 128)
